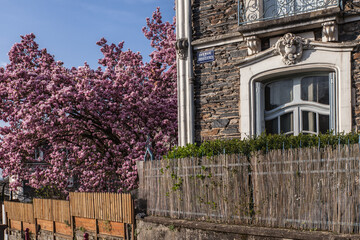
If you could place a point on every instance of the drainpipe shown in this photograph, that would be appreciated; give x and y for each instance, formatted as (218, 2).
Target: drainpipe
(190, 76)
(184, 73)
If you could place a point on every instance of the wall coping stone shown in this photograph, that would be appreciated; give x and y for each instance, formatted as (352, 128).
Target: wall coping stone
(250, 230)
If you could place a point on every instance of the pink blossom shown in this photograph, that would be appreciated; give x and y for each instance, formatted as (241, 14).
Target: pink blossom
(91, 125)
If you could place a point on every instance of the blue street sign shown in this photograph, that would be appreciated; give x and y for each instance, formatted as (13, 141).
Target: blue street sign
(205, 56)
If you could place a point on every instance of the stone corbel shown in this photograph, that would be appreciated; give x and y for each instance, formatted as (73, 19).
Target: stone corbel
(330, 32)
(253, 45)
(181, 47)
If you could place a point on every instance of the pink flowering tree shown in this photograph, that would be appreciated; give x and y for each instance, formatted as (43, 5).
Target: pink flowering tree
(85, 124)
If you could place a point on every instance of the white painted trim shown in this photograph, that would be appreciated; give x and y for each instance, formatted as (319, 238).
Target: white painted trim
(322, 58)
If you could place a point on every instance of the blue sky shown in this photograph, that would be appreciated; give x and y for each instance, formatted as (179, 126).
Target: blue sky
(69, 29)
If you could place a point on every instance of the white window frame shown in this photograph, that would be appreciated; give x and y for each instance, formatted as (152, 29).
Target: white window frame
(332, 57)
(297, 105)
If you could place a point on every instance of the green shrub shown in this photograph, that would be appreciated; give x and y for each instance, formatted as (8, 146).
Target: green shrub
(263, 143)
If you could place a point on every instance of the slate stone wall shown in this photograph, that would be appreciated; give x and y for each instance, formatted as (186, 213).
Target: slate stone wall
(216, 94)
(214, 17)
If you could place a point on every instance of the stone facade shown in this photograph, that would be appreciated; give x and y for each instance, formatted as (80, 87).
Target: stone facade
(213, 18)
(217, 83)
(217, 94)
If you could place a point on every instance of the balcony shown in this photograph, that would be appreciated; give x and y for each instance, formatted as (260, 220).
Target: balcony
(255, 11)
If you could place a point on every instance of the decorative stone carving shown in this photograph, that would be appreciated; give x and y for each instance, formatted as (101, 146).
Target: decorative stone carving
(290, 47)
(181, 47)
(329, 32)
(253, 44)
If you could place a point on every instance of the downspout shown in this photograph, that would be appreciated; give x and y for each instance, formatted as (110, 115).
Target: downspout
(184, 73)
(190, 76)
(180, 73)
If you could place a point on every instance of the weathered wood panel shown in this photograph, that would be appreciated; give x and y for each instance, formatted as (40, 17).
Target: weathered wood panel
(112, 210)
(82, 205)
(43, 209)
(15, 225)
(46, 225)
(104, 206)
(30, 226)
(63, 228)
(20, 211)
(61, 211)
(86, 223)
(112, 228)
(52, 210)
(298, 188)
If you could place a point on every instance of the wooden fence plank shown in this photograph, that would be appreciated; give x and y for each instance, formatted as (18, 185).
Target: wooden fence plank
(63, 228)
(45, 225)
(112, 228)
(86, 223)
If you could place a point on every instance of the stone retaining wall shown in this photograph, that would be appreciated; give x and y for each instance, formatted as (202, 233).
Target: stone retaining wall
(160, 228)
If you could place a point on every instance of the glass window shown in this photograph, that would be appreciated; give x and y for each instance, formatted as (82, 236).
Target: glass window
(287, 123)
(309, 122)
(298, 104)
(272, 126)
(315, 89)
(324, 123)
(278, 93)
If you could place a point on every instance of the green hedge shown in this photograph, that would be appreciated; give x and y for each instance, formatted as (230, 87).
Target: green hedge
(261, 143)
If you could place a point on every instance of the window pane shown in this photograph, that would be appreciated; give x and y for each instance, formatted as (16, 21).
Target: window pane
(324, 123)
(271, 126)
(286, 123)
(278, 93)
(309, 121)
(315, 89)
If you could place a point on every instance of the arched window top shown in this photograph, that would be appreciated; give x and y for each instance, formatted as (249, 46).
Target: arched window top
(296, 103)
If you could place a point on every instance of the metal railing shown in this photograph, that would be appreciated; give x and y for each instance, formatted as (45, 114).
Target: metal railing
(261, 10)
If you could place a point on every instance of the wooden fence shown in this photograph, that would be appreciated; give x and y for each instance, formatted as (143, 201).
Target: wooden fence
(101, 214)
(301, 188)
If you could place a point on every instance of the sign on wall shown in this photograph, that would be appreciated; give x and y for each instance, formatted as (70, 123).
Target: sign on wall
(205, 56)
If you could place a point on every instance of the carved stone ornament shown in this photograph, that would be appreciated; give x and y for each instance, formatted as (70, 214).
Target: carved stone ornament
(181, 47)
(253, 44)
(291, 47)
(329, 32)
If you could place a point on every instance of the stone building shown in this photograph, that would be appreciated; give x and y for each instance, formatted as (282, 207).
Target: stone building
(280, 66)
